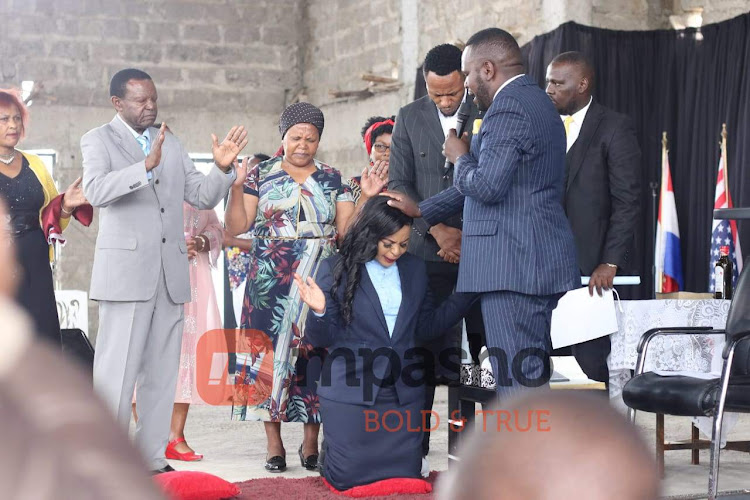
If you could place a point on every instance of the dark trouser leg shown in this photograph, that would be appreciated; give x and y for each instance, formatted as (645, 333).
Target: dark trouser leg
(475, 331)
(518, 338)
(592, 356)
(442, 278)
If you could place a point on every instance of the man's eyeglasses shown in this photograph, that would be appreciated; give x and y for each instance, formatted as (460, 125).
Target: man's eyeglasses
(380, 148)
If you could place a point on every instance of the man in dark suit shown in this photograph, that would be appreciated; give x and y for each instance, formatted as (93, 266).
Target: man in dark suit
(417, 168)
(602, 188)
(517, 248)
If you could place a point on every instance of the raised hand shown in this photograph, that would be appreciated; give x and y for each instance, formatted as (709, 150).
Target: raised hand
(74, 197)
(226, 152)
(403, 203)
(241, 168)
(374, 179)
(154, 156)
(311, 294)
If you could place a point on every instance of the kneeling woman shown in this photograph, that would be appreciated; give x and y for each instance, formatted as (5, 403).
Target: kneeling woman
(370, 308)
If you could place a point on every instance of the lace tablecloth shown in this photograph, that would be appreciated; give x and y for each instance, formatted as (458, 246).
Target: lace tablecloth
(671, 353)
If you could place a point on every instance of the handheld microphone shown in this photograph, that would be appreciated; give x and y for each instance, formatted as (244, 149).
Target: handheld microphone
(463, 118)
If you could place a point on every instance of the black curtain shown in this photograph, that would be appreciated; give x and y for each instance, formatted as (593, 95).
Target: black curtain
(673, 81)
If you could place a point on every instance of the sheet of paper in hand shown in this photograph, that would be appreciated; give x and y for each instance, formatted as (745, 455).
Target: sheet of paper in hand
(580, 317)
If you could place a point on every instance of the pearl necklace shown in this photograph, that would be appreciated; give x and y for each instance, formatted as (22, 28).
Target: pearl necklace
(8, 159)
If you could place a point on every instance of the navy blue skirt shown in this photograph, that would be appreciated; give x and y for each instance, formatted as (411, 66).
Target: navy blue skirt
(364, 444)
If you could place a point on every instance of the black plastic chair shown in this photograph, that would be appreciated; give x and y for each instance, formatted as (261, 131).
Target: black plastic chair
(76, 346)
(693, 397)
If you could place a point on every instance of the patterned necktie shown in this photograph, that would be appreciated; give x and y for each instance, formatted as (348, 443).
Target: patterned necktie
(568, 120)
(145, 145)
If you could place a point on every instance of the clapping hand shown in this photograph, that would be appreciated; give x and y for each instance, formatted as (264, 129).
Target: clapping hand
(311, 294)
(374, 179)
(226, 153)
(74, 197)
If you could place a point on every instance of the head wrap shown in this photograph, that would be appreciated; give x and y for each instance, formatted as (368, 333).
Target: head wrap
(301, 112)
(368, 133)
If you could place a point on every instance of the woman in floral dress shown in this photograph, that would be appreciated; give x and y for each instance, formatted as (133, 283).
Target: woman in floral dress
(298, 207)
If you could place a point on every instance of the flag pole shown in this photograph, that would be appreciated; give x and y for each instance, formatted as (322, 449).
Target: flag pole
(724, 162)
(659, 276)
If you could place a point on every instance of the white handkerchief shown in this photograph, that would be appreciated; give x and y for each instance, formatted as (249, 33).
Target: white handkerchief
(579, 317)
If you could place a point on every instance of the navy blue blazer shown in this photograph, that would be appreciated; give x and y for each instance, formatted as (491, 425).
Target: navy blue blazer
(362, 354)
(516, 236)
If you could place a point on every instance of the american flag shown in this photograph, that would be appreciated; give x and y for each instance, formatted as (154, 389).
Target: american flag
(724, 232)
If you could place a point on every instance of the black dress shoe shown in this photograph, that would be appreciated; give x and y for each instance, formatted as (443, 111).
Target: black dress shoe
(276, 464)
(309, 463)
(166, 468)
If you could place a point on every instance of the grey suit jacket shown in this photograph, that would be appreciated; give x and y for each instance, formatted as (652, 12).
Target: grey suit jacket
(141, 221)
(417, 166)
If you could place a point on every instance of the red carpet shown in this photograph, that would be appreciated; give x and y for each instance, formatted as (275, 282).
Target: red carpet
(306, 488)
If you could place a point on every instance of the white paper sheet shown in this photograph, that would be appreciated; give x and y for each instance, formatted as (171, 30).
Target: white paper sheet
(580, 317)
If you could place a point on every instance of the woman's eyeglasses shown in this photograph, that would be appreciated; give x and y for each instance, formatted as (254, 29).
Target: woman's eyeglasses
(380, 148)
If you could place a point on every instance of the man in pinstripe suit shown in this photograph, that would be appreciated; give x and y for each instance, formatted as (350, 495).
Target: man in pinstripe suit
(517, 248)
(417, 168)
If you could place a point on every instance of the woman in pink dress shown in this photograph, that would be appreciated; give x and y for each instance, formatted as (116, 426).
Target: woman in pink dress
(204, 234)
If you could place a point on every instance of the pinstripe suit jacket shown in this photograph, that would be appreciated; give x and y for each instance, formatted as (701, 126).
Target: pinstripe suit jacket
(516, 236)
(417, 166)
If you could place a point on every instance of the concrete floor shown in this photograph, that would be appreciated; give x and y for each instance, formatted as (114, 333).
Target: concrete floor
(236, 451)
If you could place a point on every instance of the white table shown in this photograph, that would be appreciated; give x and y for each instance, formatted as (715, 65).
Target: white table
(700, 353)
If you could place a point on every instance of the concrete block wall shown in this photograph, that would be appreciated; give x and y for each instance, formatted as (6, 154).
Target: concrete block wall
(355, 36)
(216, 63)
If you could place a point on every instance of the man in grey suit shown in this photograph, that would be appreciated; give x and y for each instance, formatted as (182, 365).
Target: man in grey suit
(417, 168)
(139, 176)
(517, 248)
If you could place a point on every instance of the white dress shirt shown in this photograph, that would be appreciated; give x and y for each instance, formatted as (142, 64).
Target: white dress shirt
(574, 129)
(449, 122)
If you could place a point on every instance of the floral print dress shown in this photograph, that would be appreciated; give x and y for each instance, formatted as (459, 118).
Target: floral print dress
(294, 231)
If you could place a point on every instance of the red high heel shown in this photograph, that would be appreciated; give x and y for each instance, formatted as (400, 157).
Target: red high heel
(172, 454)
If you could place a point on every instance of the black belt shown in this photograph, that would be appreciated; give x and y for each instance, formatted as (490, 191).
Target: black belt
(21, 224)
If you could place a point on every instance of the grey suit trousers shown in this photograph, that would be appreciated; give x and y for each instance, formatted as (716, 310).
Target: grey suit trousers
(138, 345)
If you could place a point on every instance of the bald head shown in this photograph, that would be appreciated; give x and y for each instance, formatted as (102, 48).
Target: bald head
(558, 444)
(570, 82)
(491, 58)
(498, 46)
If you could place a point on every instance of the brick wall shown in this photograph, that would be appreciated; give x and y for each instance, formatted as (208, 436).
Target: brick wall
(203, 54)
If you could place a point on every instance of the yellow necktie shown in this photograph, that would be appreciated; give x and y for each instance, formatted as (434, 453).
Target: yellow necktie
(477, 124)
(568, 120)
